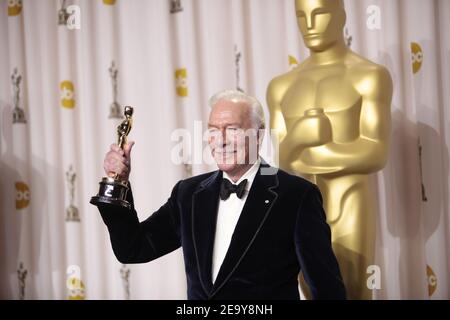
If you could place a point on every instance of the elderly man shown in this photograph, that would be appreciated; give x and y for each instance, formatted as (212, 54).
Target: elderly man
(245, 234)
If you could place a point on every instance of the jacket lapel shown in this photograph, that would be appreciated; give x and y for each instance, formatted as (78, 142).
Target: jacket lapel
(205, 201)
(260, 200)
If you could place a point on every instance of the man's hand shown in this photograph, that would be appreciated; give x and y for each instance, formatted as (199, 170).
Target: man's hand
(118, 161)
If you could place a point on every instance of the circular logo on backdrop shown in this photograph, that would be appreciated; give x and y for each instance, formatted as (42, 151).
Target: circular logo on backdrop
(76, 289)
(293, 62)
(416, 56)
(432, 281)
(181, 82)
(22, 195)
(67, 91)
(14, 7)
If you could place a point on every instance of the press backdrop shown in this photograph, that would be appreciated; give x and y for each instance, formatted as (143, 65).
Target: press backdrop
(166, 58)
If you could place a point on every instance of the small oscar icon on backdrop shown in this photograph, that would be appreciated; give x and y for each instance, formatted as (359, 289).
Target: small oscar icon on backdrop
(112, 190)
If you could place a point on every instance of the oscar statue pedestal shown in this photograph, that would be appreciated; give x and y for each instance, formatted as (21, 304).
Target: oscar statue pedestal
(112, 192)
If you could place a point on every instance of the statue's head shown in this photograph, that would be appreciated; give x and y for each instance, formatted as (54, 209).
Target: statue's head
(128, 112)
(321, 22)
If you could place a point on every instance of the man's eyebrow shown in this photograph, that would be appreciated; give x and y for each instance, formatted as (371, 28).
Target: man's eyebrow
(228, 125)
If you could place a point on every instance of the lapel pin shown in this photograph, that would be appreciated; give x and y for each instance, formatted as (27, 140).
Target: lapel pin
(267, 201)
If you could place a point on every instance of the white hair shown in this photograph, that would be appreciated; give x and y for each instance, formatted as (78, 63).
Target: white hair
(257, 112)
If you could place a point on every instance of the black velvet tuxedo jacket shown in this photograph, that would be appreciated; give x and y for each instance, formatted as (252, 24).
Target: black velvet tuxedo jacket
(282, 229)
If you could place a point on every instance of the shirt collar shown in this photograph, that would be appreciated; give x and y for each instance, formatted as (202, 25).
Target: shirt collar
(250, 174)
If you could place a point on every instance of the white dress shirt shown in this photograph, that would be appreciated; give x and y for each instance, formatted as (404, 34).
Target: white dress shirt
(228, 215)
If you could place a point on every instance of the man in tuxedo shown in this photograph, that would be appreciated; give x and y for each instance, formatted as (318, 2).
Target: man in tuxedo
(246, 230)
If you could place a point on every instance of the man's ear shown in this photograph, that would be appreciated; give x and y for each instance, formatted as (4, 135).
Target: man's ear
(260, 135)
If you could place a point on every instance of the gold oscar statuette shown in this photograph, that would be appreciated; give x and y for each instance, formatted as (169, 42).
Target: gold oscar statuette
(333, 118)
(113, 191)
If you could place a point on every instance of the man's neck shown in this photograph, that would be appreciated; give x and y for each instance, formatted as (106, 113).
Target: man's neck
(334, 54)
(236, 174)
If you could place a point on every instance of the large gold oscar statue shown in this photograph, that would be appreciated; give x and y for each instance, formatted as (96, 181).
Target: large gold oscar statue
(333, 117)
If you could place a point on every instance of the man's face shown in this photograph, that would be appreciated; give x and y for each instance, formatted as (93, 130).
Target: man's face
(320, 21)
(231, 137)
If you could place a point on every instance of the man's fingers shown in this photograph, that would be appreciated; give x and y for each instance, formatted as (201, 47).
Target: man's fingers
(117, 161)
(118, 168)
(116, 148)
(127, 148)
(115, 157)
(115, 165)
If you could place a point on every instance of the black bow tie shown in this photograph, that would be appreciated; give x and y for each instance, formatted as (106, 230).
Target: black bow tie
(227, 188)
